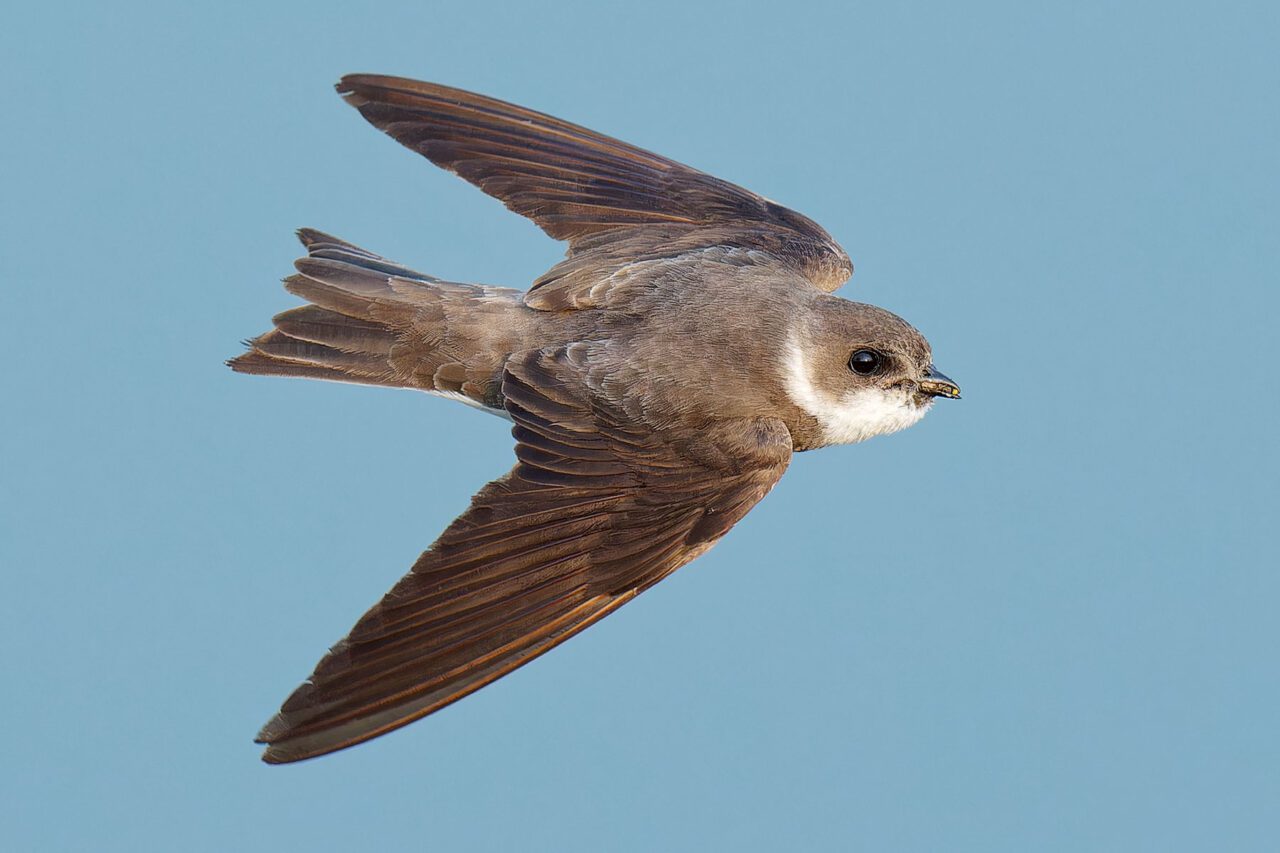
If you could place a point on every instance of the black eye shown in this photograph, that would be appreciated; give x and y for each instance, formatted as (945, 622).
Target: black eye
(865, 361)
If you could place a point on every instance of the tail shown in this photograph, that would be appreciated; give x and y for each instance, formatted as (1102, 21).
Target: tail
(374, 322)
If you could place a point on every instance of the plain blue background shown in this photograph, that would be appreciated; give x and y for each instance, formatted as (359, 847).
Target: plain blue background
(1044, 619)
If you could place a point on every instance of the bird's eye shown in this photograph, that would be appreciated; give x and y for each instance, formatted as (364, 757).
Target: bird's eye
(865, 361)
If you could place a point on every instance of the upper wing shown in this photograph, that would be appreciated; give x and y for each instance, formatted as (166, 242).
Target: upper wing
(578, 185)
(594, 512)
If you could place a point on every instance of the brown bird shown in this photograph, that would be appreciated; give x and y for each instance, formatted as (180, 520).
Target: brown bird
(658, 378)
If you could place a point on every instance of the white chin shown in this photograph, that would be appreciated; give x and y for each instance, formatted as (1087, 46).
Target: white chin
(860, 415)
(855, 415)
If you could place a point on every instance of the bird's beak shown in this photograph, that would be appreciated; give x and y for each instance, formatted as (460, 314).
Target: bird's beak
(937, 385)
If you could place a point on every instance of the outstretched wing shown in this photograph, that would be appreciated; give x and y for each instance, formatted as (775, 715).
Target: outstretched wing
(594, 512)
(586, 188)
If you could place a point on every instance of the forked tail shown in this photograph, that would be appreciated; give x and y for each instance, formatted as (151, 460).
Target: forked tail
(374, 322)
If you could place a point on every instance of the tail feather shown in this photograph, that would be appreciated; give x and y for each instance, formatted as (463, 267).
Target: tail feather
(258, 364)
(277, 344)
(328, 247)
(322, 326)
(376, 322)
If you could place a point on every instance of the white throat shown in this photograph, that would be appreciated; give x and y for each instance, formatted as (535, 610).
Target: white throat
(854, 415)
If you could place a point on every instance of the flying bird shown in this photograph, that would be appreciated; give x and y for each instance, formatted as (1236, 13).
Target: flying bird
(658, 380)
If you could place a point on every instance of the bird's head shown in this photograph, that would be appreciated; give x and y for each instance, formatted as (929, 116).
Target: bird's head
(860, 371)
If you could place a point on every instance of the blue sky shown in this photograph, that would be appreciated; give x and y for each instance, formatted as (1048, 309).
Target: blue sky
(1042, 619)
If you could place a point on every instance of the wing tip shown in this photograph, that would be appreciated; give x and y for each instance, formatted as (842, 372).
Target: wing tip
(277, 754)
(346, 87)
(283, 744)
(355, 88)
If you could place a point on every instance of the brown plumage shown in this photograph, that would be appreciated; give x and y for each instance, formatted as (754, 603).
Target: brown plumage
(658, 379)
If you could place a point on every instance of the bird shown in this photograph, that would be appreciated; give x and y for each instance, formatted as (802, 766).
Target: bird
(658, 380)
